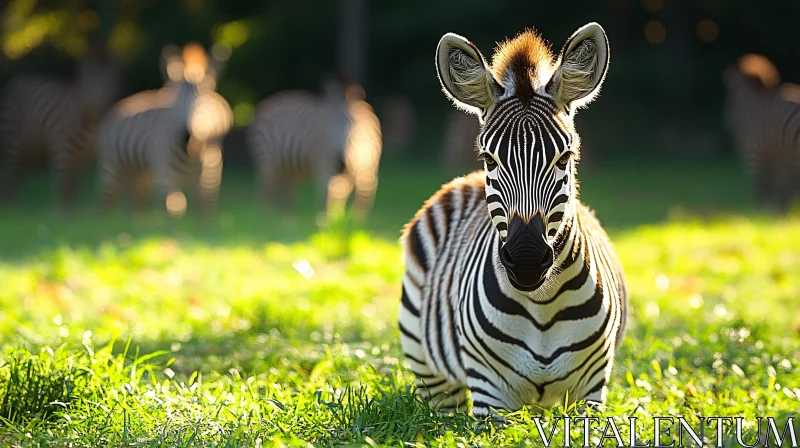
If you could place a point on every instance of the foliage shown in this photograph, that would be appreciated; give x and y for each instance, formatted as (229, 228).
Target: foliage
(291, 45)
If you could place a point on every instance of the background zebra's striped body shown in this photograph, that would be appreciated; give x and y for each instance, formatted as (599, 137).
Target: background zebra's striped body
(172, 134)
(335, 139)
(526, 303)
(765, 123)
(47, 118)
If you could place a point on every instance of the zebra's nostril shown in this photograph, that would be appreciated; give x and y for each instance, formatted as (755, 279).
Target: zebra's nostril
(547, 259)
(506, 259)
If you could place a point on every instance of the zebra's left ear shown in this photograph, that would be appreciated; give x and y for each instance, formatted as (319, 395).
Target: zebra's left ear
(582, 67)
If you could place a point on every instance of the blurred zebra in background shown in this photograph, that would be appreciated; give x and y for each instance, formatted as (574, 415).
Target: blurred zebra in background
(336, 139)
(171, 137)
(48, 118)
(765, 122)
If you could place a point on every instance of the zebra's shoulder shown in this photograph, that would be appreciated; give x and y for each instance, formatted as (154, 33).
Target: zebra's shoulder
(447, 209)
(451, 194)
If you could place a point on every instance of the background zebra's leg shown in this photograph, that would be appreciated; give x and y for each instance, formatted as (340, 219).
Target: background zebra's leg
(171, 200)
(268, 185)
(12, 175)
(366, 186)
(783, 182)
(209, 180)
(339, 188)
(68, 177)
(11, 168)
(140, 184)
(324, 173)
(110, 182)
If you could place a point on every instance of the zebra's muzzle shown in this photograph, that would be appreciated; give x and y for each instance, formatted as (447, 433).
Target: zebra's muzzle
(526, 255)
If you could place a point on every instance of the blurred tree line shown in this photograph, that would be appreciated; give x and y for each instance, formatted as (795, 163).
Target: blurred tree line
(663, 91)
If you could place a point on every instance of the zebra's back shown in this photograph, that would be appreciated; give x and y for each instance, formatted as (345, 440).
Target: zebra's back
(294, 130)
(462, 325)
(133, 130)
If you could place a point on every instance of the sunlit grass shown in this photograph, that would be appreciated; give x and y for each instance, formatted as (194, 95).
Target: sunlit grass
(257, 330)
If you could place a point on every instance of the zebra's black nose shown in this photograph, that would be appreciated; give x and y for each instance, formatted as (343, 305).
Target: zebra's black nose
(526, 255)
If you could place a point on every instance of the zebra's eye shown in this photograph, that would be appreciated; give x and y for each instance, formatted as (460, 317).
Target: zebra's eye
(561, 163)
(488, 160)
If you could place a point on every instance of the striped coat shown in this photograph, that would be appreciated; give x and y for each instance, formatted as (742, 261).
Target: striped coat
(765, 123)
(336, 141)
(512, 290)
(46, 118)
(173, 136)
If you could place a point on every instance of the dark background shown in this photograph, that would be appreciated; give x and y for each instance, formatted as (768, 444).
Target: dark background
(663, 94)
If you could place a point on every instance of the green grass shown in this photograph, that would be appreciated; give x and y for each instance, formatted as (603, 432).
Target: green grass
(253, 331)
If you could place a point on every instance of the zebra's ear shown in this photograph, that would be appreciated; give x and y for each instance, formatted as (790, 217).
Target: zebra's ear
(465, 77)
(581, 68)
(171, 63)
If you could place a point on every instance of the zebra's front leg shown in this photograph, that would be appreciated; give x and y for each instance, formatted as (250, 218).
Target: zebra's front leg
(442, 395)
(487, 395)
(597, 384)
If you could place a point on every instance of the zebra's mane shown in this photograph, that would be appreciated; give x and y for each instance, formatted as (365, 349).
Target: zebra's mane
(524, 64)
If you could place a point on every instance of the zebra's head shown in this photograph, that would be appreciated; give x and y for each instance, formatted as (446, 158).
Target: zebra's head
(192, 74)
(526, 102)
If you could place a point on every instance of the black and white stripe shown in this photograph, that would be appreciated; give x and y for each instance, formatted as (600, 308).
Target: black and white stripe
(47, 118)
(334, 139)
(172, 135)
(467, 322)
(765, 123)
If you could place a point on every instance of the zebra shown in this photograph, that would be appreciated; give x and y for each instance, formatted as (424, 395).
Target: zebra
(173, 134)
(512, 290)
(44, 117)
(336, 139)
(764, 120)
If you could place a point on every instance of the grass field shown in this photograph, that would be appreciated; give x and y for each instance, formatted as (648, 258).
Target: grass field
(254, 331)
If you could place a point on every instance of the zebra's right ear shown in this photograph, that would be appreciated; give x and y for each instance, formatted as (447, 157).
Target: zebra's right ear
(465, 77)
(171, 63)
